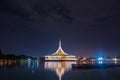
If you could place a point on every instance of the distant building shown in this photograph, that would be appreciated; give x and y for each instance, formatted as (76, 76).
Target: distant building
(60, 55)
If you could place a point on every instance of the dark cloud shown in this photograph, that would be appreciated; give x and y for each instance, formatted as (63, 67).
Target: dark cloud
(40, 11)
(85, 24)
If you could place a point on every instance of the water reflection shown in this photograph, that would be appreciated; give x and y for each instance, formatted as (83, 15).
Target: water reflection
(38, 70)
(59, 67)
(7, 63)
(33, 65)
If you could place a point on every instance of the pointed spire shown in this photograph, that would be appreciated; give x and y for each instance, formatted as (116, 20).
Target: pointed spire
(60, 50)
(60, 45)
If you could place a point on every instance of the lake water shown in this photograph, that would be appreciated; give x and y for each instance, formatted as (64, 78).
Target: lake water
(34, 70)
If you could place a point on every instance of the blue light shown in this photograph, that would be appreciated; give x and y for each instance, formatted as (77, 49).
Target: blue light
(29, 59)
(100, 62)
(100, 58)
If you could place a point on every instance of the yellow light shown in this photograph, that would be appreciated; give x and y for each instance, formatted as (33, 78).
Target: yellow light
(114, 59)
(84, 58)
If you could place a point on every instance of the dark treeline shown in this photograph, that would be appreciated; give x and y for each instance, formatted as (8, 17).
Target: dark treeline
(12, 56)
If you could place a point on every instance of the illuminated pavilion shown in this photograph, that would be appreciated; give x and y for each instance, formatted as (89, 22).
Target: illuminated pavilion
(60, 55)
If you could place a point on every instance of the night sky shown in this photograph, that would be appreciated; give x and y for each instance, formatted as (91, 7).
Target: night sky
(34, 27)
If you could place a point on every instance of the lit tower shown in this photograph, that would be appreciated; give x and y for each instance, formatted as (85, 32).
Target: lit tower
(60, 55)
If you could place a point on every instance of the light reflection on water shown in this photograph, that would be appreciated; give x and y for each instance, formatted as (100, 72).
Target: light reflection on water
(59, 67)
(36, 70)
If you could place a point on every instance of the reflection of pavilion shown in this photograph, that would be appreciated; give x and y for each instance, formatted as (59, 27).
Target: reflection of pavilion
(60, 55)
(59, 67)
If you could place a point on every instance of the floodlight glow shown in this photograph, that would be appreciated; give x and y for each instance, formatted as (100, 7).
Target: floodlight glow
(100, 58)
(29, 59)
(100, 62)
